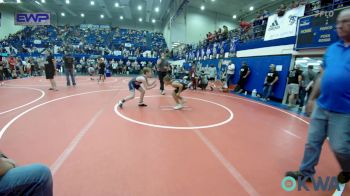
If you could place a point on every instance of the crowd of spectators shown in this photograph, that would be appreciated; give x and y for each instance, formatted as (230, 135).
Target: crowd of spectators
(223, 40)
(101, 40)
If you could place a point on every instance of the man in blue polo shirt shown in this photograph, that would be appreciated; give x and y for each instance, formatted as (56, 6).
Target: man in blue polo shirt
(330, 103)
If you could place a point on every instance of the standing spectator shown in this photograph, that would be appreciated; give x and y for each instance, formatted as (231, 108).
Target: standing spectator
(294, 81)
(69, 68)
(114, 67)
(212, 76)
(192, 75)
(270, 81)
(330, 103)
(230, 73)
(1, 73)
(34, 179)
(308, 78)
(162, 68)
(244, 73)
(101, 70)
(12, 63)
(50, 70)
(203, 80)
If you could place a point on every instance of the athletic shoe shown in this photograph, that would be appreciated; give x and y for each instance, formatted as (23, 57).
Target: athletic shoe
(162, 92)
(183, 101)
(340, 191)
(178, 107)
(142, 105)
(296, 174)
(120, 104)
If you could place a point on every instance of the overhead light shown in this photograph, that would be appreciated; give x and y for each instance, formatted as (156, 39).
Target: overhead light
(140, 19)
(116, 4)
(202, 7)
(139, 7)
(212, 0)
(92, 2)
(156, 9)
(121, 17)
(102, 16)
(67, 1)
(18, 1)
(251, 8)
(63, 14)
(1, 1)
(153, 21)
(37, 2)
(234, 16)
(43, 1)
(82, 15)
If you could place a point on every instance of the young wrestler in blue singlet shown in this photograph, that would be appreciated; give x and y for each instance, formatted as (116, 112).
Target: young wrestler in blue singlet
(135, 83)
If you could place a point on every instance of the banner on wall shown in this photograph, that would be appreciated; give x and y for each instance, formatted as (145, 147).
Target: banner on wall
(285, 26)
(32, 19)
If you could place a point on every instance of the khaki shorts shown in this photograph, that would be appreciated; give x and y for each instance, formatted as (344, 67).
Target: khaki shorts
(293, 89)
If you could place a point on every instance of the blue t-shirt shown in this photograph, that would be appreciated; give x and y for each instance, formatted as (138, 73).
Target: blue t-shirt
(335, 84)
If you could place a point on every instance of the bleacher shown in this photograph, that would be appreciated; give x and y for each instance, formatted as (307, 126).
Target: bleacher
(80, 40)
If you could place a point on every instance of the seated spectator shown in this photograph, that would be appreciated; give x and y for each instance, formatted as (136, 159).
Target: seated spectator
(245, 26)
(281, 10)
(294, 4)
(270, 81)
(225, 33)
(34, 179)
(219, 35)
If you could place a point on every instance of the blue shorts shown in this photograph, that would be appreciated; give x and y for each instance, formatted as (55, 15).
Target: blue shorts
(177, 89)
(132, 86)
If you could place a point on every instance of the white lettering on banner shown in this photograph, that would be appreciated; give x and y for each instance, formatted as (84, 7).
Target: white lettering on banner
(92, 26)
(32, 19)
(285, 26)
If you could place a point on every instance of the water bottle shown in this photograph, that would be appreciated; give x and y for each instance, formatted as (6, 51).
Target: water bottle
(254, 93)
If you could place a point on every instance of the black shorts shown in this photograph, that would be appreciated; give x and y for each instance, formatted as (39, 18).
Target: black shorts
(49, 74)
(132, 86)
(101, 72)
(211, 79)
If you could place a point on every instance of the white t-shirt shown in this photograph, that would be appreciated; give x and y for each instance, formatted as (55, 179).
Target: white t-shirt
(231, 69)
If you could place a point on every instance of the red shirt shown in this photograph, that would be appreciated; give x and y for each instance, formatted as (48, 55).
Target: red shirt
(12, 63)
(244, 25)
